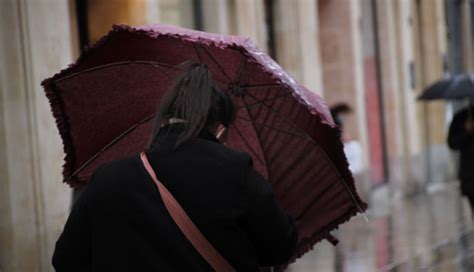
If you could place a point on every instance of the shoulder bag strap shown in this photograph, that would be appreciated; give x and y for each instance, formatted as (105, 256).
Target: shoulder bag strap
(186, 225)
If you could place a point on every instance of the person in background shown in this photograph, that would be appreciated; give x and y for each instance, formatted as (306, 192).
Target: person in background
(120, 223)
(461, 138)
(339, 113)
(352, 147)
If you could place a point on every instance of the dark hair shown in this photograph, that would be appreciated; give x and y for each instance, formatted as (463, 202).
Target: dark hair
(194, 98)
(337, 110)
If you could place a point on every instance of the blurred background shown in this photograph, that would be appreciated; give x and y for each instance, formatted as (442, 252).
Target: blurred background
(372, 56)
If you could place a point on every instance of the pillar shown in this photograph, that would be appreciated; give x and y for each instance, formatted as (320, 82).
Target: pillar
(359, 80)
(430, 40)
(391, 86)
(35, 43)
(250, 21)
(297, 41)
(342, 64)
(410, 123)
(102, 14)
(216, 16)
(467, 42)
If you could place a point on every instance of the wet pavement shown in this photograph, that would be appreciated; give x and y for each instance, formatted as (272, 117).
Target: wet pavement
(429, 232)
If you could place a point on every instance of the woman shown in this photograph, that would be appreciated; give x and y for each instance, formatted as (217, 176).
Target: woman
(461, 137)
(119, 222)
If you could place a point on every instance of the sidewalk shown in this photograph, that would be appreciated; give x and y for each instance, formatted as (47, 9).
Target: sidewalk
(430, 232)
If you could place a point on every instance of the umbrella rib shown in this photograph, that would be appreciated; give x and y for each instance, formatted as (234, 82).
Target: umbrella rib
(115, 140)
(157, 64)
(258, 114)
(340, 178)
(317, 197)
(266, 100)
(197, 53)
(349, 192)
(288, 165)
(247, 144)
(276, 112)
(266, 94)
(308, 179)
(302, 213)
(269, 113)
(284, 145)
(163, 71)
(264, 85)
(282, 148)
(265, 119)
(241, 68)
(309, 168)
(126, 132)
(216, 62)
(173, 67)
(256, 132)
(153, 63)
(270, 127)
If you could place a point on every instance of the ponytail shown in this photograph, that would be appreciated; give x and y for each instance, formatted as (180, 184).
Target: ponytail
(194, 99)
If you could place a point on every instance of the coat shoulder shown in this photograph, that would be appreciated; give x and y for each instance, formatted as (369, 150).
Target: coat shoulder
(114, 171)
(226, 154)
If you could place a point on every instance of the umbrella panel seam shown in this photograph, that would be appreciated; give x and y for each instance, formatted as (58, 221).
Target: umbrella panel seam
(348, 190)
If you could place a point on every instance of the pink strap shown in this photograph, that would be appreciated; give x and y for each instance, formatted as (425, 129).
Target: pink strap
(186, 225)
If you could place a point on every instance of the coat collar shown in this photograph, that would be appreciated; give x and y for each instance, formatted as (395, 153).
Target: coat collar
(178, 128)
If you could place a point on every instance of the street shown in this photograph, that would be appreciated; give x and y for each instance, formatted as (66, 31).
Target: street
(428, 232)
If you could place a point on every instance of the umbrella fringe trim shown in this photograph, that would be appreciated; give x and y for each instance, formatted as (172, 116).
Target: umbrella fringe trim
(307, 244)
(57, 109)
(346, 174)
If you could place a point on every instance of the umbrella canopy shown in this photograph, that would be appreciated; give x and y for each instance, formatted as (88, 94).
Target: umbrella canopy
(104, 106)
(456, 87)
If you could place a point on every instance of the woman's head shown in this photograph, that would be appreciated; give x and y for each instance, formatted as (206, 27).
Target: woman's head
(196, 101)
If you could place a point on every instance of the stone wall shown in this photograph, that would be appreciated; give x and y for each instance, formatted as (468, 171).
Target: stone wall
(35, 42)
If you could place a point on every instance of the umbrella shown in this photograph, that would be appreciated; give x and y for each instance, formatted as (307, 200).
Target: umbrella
(453, 88)
(104, 106)
(456, 87)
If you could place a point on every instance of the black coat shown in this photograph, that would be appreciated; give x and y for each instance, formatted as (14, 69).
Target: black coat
(459, 139)
(119, 222)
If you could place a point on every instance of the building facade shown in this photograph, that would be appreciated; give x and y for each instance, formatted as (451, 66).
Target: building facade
(374, 55)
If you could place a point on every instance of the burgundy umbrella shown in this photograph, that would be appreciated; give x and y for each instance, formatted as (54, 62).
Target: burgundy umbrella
(104, 106)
